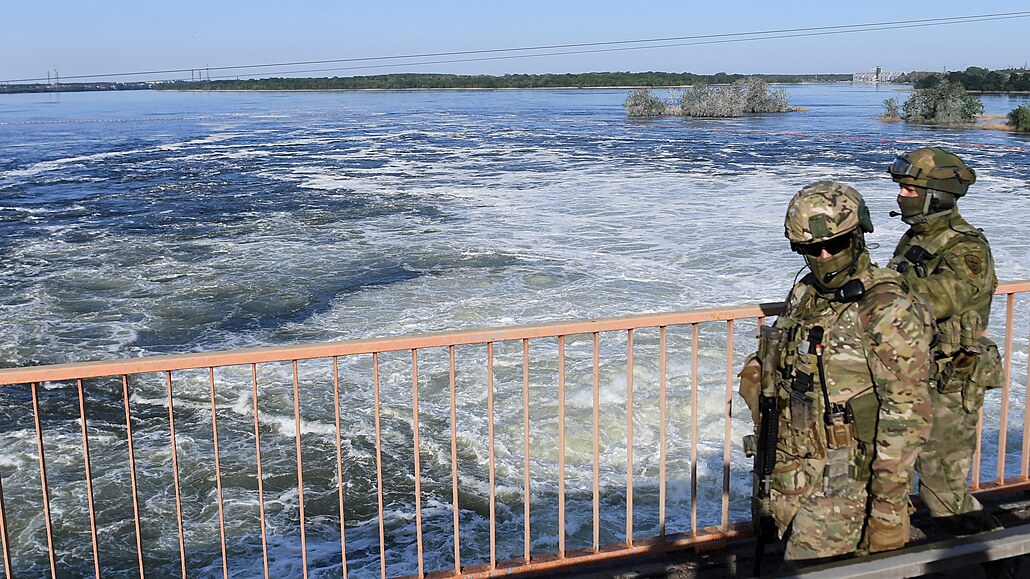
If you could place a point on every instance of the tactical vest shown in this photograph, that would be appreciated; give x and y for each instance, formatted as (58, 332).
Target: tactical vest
(816, 359)
(924, 259)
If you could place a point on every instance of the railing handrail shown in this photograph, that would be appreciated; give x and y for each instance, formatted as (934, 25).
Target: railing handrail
(176, 362)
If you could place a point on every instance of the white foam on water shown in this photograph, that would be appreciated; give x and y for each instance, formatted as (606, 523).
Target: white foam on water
(411, 222)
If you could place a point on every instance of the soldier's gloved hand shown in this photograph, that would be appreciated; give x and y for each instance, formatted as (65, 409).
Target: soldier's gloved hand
(751, 385)
(886, 531)
(964, 361)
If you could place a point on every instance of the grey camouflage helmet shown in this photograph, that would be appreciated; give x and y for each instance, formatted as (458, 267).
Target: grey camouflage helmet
(932, 168)
(824, 210)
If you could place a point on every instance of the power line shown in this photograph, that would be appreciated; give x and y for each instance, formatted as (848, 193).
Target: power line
(770, 36)
(584, 48)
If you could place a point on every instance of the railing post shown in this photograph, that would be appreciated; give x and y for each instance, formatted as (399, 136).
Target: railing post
(629, 438)
(43, 482)
(339, 470)
(379, 463)
(1026, 418)
(132, 476)
(695, 339)
(661, 430)
(89, 478)
(728, 416)
(4, 537)
(418, 467)
(490, 444)
(525, 449)
(260, 474)
(561, 447)
(454, 461)
(597, 443)
(218, 475)
(175, 475)
(1005, 387)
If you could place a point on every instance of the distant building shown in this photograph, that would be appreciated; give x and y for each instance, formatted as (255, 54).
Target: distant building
(878, 75)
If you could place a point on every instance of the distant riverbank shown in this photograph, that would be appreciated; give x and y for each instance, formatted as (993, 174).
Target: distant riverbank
(437, 81)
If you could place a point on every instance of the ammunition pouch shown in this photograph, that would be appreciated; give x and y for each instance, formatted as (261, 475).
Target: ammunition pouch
(839, 470)
(791, 478)
(750, 385)
(952, 377)
(972, 397)
(949, 337)
(990, 369)
(982, 370)
(864, 408)
(770, 352)
(970, 371)
(802, 406)
(839, 436)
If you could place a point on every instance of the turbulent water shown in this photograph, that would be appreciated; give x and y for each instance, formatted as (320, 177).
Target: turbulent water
(149, 223)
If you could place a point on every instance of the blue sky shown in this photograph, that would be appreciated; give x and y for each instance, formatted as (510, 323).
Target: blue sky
(86, 38)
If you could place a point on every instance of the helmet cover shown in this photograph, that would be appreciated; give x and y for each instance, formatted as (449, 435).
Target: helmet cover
(824, 210)
(932, 168)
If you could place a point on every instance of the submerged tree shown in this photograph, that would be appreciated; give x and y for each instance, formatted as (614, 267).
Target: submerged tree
(702, 100)
(945, 103)
(642, 103)
(890, 111)
(758, 98)
(1019, 118)
(745, 96)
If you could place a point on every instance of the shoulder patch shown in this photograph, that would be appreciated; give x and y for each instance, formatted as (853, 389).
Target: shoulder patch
(974, 263)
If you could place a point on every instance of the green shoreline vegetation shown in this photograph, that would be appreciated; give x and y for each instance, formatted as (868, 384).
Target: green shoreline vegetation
(948, 102)
(438, 81)
(937, 98)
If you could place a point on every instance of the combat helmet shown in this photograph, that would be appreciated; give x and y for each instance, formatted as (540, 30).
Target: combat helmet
(829, 216)
(939, 176)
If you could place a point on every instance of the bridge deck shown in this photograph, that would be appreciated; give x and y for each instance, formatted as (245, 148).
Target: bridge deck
(736, 558)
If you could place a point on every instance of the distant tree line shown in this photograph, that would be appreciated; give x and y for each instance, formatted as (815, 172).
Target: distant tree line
(455, 81)
(428, 81)
(974, 79)
(73, 87)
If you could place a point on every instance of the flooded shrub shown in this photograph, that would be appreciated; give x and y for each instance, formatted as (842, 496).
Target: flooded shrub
(642, 103)
(746, 96)
(945, 103)
(891, 112)
(1019, 118)
(750, 95)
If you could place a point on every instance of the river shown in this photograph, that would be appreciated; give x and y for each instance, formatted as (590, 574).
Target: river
(148, 222)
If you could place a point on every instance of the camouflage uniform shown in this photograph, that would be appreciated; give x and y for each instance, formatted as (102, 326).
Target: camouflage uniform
(841, 469)
(949, 262)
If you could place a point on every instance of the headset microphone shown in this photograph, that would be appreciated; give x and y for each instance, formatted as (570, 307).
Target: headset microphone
(829, 277)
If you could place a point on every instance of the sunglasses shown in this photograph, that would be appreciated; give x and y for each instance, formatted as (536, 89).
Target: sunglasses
(832, 246)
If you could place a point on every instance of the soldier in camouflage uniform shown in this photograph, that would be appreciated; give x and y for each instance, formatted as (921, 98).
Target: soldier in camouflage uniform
(848, 364)
(949, 262)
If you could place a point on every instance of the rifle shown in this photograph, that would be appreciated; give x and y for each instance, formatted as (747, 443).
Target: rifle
(762, 444)
(762, 523)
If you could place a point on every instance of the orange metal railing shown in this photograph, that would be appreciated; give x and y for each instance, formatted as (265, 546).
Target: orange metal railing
(30, 380)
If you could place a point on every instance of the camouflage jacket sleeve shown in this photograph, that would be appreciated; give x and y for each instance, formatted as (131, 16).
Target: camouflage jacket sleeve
(963, 273)
(897, 328)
